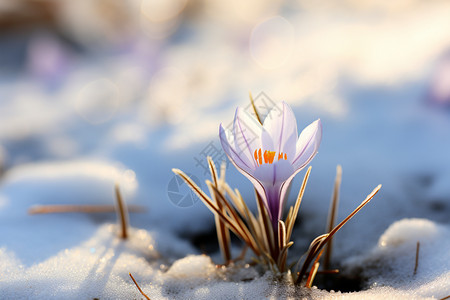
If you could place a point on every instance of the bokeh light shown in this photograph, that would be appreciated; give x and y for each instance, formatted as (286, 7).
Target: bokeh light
(272, 42)
(98, 101)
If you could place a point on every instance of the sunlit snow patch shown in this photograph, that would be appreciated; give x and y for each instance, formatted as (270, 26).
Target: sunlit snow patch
(392, 262)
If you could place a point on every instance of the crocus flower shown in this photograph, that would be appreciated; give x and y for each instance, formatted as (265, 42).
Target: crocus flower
(270, 155)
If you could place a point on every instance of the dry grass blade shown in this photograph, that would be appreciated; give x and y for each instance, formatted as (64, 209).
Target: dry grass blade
(312, 275)
(281, 244)
(334, 271)
(236, 200)
(313, 249)
(316, 247)
(223, 234)
(282, 258)
(281, 234)
(233, 222)
(211, 205)
(122, 212)
(88, 209)
(213, 170)
(364, 203)
(314, 269)
(242, 208)
(248, 238)
(332, 214)
(255, 232)
(416, 265)
(254, 109)
(138, 287)
(242, 255)
(223, 168)
(292, 216)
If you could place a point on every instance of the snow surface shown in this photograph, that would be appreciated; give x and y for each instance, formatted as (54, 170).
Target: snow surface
(138, 100)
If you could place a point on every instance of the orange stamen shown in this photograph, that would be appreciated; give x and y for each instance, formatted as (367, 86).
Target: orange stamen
(268, 156)
(271, 155)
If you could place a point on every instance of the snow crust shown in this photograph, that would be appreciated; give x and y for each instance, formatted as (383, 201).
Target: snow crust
(392, 262)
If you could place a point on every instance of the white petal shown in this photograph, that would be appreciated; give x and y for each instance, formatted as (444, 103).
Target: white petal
(274, 174)
(227, 141)
(247, 136)
(307, 145)
(281, 125)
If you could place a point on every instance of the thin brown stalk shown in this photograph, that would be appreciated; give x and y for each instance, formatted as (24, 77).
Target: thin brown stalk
(242, 208)
(290, 225)
(240, 205)
(317, 244)
(312, 275)
(281, 234)
(210, 205)
(252, 226)
(254, 108)
(251, 217)
(447, 297)
(223, 168)
(289, 216)
(232, 223)
(122, 212)
(88, 209)
(282, 258)
(242, 255)
(235, 200)
(139, 288)
(332, 214)
(235, 216)
(364, 203)
(281, 244)
(213, 171)
(223, 234)
(333, 271)
(313, 272)
(416, 265)
(313, 249)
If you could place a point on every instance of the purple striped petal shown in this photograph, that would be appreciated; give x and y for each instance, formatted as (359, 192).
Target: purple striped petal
(281, 126)
(227, 142)
(247, 136)
(307, 145)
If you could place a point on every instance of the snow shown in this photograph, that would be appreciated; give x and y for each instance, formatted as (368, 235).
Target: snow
(392, 261)
(109, 104)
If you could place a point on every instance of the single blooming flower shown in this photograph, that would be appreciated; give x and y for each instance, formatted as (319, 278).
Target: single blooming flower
(270, 155)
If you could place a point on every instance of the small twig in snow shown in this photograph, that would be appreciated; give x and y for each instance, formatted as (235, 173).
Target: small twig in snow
(122, 211)
(258, 117)
(137, 285)
(88, 209)
(332, 214)
(417, 258)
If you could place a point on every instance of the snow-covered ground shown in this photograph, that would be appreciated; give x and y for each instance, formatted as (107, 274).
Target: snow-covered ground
(110, 104)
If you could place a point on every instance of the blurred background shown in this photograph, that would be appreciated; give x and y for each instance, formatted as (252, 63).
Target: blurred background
(140, 87)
